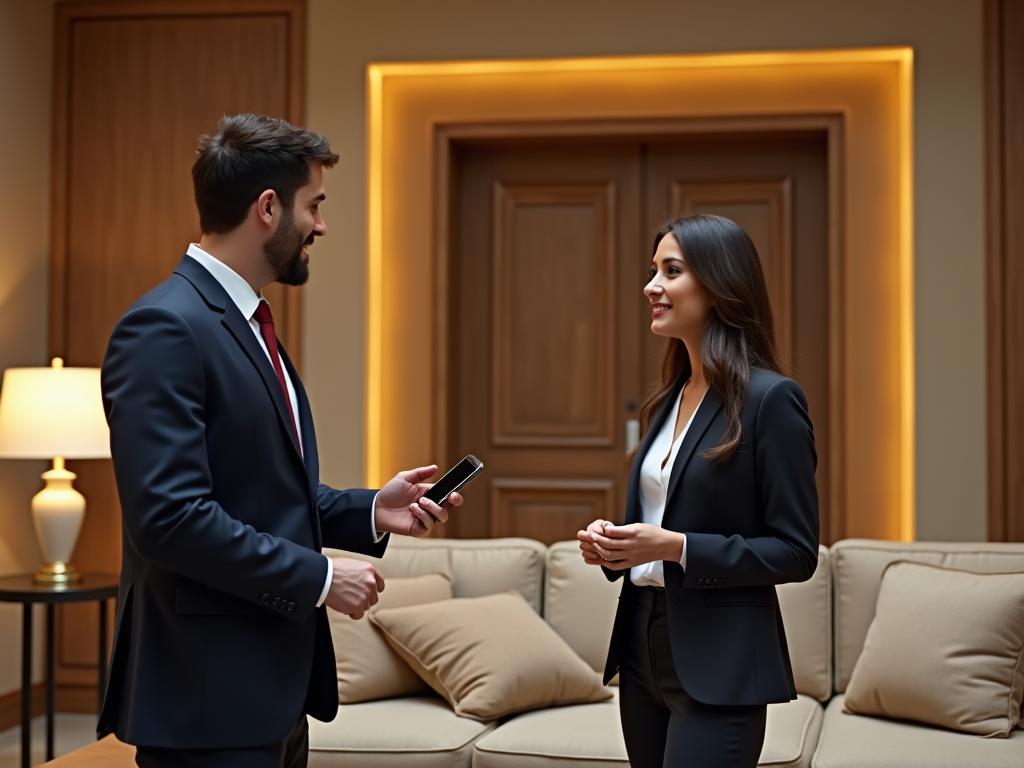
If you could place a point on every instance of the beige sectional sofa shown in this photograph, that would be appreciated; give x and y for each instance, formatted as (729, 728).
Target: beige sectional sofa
(827, 620)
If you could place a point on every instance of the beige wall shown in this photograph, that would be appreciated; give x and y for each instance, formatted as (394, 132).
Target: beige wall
(345, 35)
(26, 45)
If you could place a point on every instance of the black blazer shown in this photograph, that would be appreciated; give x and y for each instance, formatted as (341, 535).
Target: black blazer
(218, 642)
(749, 525)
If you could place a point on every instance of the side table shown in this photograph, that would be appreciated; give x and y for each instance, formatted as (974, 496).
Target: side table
(21, 589)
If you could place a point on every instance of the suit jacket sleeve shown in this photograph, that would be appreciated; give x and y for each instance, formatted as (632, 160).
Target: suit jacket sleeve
(154, 396)
(783, 445)
(345, 521)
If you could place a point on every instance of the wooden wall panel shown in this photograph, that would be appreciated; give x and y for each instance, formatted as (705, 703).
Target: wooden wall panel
(136, 82)
(765, 211)
(545, 509)
(553, 342)
(1004, 42)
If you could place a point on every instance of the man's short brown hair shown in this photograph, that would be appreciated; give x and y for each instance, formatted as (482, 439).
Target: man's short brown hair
(248, 155)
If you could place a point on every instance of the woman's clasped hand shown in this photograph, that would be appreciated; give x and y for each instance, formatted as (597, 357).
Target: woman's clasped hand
(624, 546)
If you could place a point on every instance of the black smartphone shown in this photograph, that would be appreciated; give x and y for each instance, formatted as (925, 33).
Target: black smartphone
(454, 479)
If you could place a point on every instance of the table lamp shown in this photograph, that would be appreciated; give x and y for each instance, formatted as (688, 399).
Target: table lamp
(54, 413)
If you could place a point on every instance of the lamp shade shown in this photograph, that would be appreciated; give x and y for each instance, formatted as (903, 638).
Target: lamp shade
(51, 412)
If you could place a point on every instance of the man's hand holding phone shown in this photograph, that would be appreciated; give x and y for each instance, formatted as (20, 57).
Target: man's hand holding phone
(403, 508)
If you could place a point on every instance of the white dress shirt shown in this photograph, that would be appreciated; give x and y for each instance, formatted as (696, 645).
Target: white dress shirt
(655, 473)
(246, 299)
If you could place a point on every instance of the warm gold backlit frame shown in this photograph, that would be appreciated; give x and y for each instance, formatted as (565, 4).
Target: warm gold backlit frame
(871, 89)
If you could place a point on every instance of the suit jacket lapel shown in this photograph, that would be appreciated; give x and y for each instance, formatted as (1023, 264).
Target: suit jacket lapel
(702, 419)
(633, 491)
(309, 454)
(215, 295)
(242, 331)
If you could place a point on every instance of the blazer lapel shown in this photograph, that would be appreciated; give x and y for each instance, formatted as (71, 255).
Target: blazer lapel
(633, 490)
(242, 331)
(215, 295)
(702, 419)
(309, 454)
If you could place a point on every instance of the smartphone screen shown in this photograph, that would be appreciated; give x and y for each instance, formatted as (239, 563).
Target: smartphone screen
(454, 479)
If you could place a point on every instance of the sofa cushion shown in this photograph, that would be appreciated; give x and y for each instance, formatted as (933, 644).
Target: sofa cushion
(945, 648)
(579, 735)
(791, 733)
(579, 602)
(398, 733)
(489, 656)
(477, 566)
(857, 567)
(368, 668)
(807, 614)
(590, 736)
(856, 741)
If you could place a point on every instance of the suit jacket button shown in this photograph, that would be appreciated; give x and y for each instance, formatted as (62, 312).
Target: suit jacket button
(291, 606)
(277, 602)
(265, 599)
(722, 584)
(700, 582)
(716, 582)
(679, 602)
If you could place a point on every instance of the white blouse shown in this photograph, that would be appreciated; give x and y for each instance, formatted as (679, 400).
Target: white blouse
(654, 480)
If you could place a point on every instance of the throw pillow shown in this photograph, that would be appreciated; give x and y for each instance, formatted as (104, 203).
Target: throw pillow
(489, 656)
(368, 669)
(945, 648)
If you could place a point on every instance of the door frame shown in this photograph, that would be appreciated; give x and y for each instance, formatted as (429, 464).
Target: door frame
(872, 89)
(832, 125)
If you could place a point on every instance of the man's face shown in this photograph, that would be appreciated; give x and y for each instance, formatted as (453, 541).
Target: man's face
(286, 251)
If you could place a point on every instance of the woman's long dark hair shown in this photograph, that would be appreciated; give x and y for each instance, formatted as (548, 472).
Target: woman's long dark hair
(739, 334)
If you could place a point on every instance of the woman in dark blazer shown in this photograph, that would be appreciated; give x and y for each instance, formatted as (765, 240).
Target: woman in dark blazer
(721, 507)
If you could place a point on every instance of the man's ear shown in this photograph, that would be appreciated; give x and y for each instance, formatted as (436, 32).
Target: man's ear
(267, 207)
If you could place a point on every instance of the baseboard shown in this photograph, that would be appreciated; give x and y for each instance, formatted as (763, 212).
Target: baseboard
(80, 699)
(10, 706)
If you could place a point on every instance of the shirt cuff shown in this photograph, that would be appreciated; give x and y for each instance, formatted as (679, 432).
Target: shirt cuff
(377, 535)
(327, 584)
(682, 560)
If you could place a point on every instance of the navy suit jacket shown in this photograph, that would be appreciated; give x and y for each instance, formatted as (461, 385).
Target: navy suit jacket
(218, 641)
(749, 525)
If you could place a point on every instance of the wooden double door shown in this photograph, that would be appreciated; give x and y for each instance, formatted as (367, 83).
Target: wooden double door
(551, 348)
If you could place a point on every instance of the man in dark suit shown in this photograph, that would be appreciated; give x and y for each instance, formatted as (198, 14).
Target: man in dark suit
(222, 643)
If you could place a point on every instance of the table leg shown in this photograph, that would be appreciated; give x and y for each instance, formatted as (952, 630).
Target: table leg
(26, 687)
(103, 655)
(49, 679)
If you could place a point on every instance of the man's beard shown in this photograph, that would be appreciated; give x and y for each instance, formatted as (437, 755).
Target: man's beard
(282, 252)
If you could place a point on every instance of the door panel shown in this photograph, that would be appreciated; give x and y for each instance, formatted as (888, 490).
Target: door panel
(764, 210)
(546, 271)
(136, 84)
(550, 330)
(553, 340)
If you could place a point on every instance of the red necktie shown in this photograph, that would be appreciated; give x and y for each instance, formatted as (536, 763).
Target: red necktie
(266, 321)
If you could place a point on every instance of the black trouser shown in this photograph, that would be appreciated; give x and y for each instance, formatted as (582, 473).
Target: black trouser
(290, 752)
(663, 725)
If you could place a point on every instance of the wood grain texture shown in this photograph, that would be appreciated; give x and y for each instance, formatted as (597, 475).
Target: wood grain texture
(544, 263)
(553, 330)
(544, 509)
(135, 84)
(765, 211)
(1013, 263)
(1004, 149)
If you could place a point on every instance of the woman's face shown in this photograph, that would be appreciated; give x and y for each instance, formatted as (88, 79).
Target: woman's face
(680, 304)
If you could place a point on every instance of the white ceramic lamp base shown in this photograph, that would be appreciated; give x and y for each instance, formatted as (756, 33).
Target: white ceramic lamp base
(58, 511)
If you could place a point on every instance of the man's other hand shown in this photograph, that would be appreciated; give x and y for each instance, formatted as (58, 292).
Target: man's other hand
(354, 587)
(402, 507)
